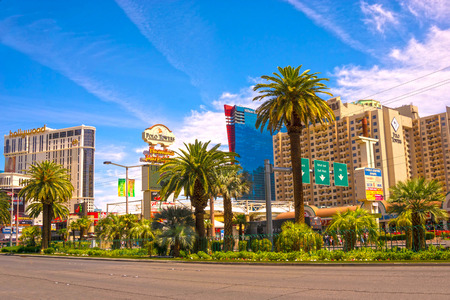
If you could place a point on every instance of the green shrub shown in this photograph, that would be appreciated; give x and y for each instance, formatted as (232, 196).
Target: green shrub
(265, 245)
(216, 246)
(255, 245)
(243, 246)
(203, 255)
(49, 250)
(295, 237)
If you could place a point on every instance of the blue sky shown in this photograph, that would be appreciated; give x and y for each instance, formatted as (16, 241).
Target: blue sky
(125, 65)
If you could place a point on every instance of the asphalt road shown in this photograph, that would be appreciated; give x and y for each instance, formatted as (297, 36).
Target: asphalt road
(59, 278)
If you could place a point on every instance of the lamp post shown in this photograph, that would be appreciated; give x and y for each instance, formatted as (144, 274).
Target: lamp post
(126, 180)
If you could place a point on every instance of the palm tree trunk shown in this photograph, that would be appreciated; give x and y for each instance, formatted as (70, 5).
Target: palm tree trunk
(45, 217)
(228, 224)
(240, 231)
(176, 249)
(199, 200)
(294, 133)
(408, 238)
(416, 228)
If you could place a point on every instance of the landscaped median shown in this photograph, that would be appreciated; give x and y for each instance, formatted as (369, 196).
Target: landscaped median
(435, 254)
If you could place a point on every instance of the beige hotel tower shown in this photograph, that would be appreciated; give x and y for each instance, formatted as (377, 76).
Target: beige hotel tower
(408, 146)
(73, 148)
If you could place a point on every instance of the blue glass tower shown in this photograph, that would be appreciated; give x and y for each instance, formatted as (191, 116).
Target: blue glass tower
(253, 147)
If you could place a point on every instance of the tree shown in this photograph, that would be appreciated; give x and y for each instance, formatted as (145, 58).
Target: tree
(403, 223)
(49, 183)
(172, 216)
(113, 230)
(75, 226)
(193, 170)
(241, 220)
(58, 210)
(229, 185)
(5, 200)
(142, 230)
(351, 224)
(64, 234)
(83, 224)
(292, 101)
(420, 198)
(30, 235)
(178, 237)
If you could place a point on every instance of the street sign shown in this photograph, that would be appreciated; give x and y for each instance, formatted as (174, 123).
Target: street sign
(374, 184)
(340, 174)
(305, 171)
(322, 172)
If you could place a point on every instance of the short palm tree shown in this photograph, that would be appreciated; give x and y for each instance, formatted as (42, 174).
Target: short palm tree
(113, 230)
(64, 234)
(421, 198)
(241, 220)
(193, 170)
(179, 237)
(293, 101)
(84, 224)
(172, 216)
(229, 185)
(49, 183)
(403, 222)
(5, 201)
(30, 235)
(351, 224)
(142, 230)
(74, 226)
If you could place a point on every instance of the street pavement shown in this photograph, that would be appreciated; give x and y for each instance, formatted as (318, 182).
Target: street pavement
(25, 277)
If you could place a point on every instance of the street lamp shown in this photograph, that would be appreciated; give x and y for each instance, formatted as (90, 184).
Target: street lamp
(126, 179)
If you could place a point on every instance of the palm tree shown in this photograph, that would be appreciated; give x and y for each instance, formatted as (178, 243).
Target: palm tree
(58, 210)
(292, 101)
(127, 222)
(5, 201)
(404, 223)
(193, 170)
(350, 224)
(178, 237)
(30, 235)
(63, 233)
(74, 226)
(113, 230)
(229, 185)
(421, 198)
(84, 224)
(241, 220)
(173, 216)
(49, 183)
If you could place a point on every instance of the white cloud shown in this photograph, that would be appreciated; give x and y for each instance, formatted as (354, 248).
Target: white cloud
(243, 98)
(377, 15)
(326, 22)
(63, 53)
(436, 10)
(423, 61)
(110, 153)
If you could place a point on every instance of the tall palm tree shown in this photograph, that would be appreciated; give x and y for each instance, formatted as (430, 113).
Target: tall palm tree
(350, 224)
(5, 201)
(58, 210)
(421, 198)
(241, 220)
(404, 223)
(193, 170)
(229, 185)
(49, 183)
(293, 101)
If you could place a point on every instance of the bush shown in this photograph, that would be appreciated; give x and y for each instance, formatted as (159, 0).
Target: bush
(265, 245)
(295, 237)
(255, 245)
(216, 246)
(243, 246)
(49, 250)
(203, 255)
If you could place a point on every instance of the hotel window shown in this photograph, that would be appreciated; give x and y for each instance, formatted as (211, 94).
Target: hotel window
(375, 130)
(374, 117)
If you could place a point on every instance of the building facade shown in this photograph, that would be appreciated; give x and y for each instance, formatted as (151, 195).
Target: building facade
(407, 146)
(253, 147)
(73, 148)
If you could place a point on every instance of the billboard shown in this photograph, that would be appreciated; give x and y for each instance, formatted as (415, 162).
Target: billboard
(150, 177)
(81, 209)
(10, 164)
(374, 184)
(122, 187)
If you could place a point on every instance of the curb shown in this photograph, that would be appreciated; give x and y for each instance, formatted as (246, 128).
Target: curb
(149, 260)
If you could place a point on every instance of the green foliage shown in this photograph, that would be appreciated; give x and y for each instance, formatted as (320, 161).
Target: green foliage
(296, 237)
(5, 201)
(255, 245)
(216, 246)
(243, 245)
(261, 245)
(49, 250)
(30, 235)
(203, 255)
(402, 237)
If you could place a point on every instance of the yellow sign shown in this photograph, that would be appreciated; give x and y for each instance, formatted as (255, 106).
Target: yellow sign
(158, 134)
(75, 142)
(24, 133)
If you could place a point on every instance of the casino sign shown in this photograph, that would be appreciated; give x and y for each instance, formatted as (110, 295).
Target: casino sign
(157, 135)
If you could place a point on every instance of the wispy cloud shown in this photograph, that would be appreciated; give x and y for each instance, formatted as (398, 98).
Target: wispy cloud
(426, 61)
(44, 42)
(378, 16)
(178, 32)
(327, 23)
(436, 10)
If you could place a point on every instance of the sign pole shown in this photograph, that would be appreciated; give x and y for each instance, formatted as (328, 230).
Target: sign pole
(126, 190)
(12, 214)
(267, 171)
(17, 222)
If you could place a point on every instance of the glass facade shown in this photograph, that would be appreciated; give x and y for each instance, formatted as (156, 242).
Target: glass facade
(253, 147)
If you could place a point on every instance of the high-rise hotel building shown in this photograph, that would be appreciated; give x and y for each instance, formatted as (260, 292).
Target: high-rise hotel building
(253, 147)
(73, 148)
(407, 146)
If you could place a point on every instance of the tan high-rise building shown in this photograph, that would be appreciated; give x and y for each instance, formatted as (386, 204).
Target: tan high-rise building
(407, 146)
(73, 148)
